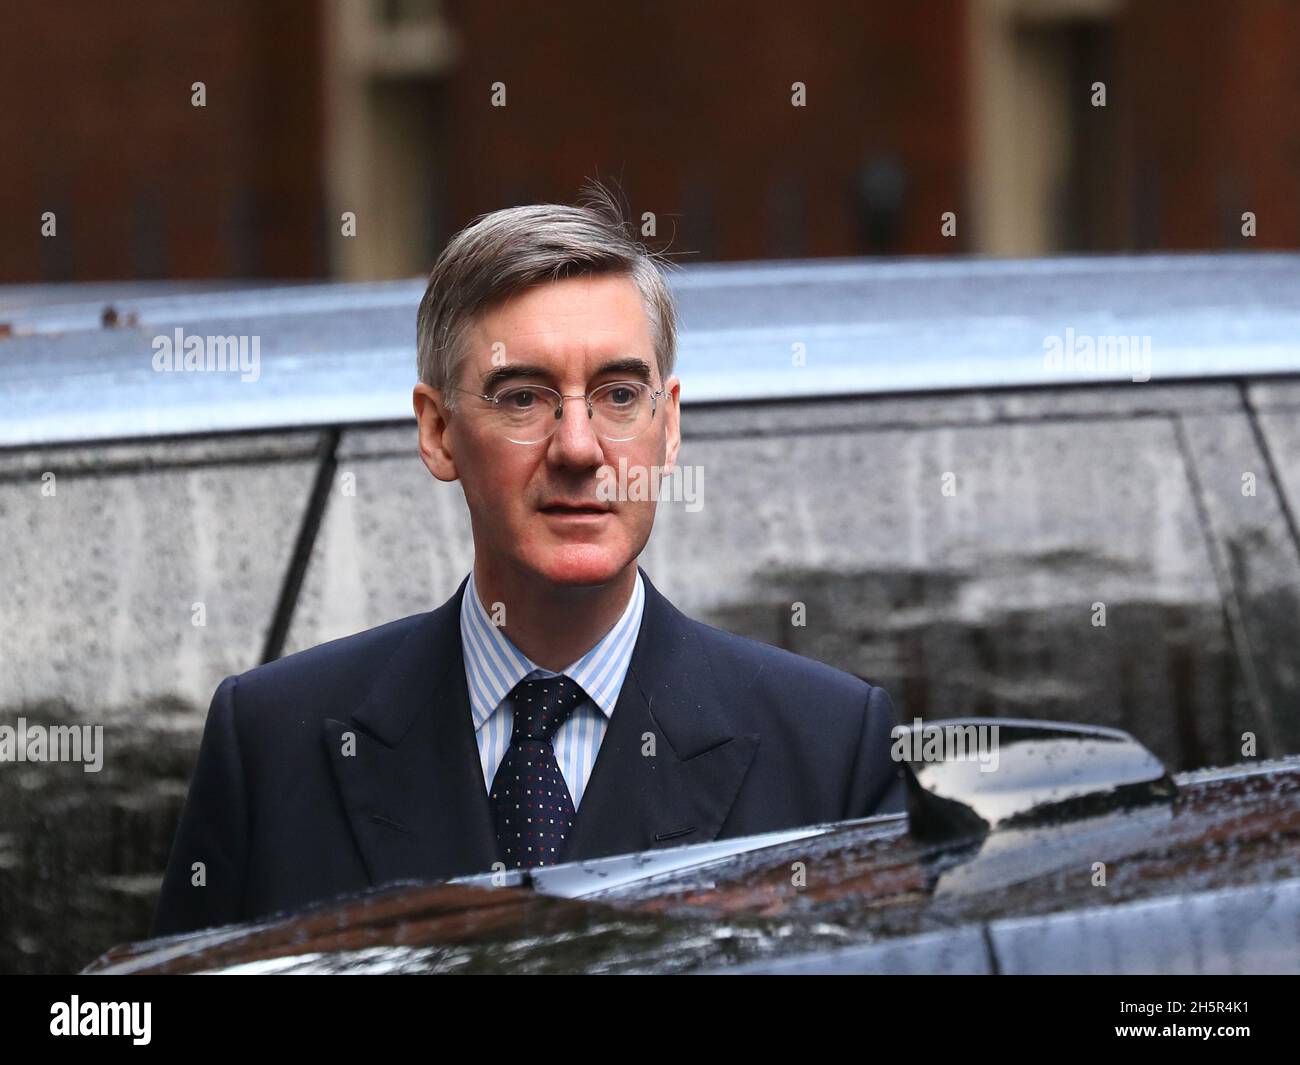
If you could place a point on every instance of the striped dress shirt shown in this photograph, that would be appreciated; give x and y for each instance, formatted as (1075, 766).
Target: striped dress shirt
(494, 665)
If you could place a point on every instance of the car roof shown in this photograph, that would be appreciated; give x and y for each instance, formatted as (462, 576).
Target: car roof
(78, 360)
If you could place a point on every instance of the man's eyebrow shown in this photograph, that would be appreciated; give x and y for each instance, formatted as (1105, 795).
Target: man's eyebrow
(498, 375)
(631, 365)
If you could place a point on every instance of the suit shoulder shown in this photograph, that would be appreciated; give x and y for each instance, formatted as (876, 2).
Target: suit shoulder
(342, 661)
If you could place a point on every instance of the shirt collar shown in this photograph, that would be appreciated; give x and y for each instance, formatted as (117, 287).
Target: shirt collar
(494, 665)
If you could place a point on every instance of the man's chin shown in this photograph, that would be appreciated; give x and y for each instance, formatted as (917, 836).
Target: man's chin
(582, 564)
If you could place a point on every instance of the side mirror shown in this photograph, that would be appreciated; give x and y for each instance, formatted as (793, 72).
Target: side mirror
(969, 776)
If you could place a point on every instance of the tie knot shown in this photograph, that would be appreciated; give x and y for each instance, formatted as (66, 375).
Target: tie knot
(543, 705)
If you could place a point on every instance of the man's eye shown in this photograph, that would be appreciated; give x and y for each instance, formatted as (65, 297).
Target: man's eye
(519, 398)
(622, 396)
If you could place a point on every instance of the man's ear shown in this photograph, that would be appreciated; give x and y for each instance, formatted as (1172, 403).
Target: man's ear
(435, 435)
(672, 416)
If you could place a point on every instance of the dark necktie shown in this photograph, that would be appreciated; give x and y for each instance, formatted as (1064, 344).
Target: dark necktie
(532, 806)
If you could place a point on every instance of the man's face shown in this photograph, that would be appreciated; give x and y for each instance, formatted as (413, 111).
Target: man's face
(572, 336)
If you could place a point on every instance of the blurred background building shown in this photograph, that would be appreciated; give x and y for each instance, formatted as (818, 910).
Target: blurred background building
(390, 109)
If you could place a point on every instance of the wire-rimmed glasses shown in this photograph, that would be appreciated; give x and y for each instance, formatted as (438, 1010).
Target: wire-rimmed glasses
(528, 414)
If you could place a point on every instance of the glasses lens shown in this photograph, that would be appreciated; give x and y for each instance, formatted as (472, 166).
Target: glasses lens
(621, 410)
(527, 412)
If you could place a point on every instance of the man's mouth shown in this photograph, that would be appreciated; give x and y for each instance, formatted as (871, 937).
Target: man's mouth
(574, 509)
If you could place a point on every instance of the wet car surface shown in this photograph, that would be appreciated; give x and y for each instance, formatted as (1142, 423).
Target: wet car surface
(1221, 861)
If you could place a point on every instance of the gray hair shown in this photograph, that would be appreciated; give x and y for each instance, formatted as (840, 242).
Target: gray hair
(503, 253)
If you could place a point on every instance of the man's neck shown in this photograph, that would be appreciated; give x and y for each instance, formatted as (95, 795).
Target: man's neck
(554, 625)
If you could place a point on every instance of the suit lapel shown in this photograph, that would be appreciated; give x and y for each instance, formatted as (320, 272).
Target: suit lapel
(670, 764)
(413, 784)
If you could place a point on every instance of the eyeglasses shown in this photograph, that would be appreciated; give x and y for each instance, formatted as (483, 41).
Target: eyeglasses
(528, 414)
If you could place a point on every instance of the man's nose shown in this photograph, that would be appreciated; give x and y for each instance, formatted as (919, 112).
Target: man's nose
(574, 442)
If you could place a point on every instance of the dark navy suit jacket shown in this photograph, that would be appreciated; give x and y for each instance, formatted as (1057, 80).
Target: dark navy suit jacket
(747, 738)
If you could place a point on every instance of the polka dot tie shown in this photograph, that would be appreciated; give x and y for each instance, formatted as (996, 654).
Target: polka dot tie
(534, 812)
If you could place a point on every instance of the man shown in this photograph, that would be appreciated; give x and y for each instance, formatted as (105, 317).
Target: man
(557, 707)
